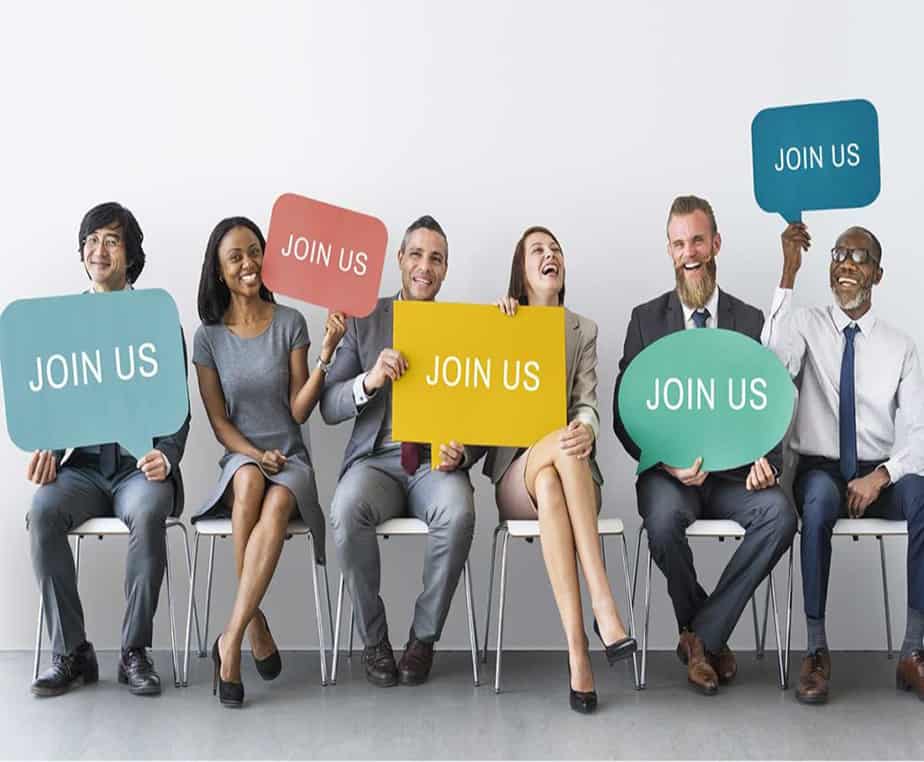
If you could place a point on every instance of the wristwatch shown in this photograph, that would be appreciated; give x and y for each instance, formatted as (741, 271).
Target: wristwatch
(324, 367)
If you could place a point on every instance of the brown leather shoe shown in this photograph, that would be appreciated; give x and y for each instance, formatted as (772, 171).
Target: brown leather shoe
(909, 675)
(724, 664)
(814, 676)
(700, 673)
(415, 664)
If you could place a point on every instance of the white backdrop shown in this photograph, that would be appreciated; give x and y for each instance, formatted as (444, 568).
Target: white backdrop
(584, 117)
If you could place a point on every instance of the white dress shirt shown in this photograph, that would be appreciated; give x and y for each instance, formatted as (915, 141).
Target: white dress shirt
(887, 376)
(712, 305)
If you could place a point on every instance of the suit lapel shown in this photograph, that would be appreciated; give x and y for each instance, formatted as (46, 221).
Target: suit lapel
(572, 346)
(673, 315)
(726, 313)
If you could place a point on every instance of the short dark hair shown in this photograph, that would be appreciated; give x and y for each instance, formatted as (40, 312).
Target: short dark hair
(108, 215)
(427, 223)
(214, 296)
(877, 247)
(517, 287)
(689, 204)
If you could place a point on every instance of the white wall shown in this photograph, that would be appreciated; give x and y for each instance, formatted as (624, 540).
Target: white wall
(585, 117)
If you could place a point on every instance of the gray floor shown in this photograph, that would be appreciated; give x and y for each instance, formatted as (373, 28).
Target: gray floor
(294, 717)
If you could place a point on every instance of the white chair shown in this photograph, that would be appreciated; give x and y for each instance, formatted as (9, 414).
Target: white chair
(112, 527)
(721, 529)
(529, 530)
(221, 528)
(406, 527)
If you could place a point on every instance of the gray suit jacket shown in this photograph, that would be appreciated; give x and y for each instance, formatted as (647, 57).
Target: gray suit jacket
(581, 375)
(364, 339)
(663, 315)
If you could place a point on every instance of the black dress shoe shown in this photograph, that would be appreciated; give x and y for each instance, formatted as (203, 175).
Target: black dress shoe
(416, 662)
(379, 663)
(582, 702)
(270, 667)
(621, 649)
(68, 671)
(136, 671)
(229, 694)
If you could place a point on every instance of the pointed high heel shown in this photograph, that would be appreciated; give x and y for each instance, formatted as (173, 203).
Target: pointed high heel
(270, 667)
(621, 649)
(229, 694)
(582, 702)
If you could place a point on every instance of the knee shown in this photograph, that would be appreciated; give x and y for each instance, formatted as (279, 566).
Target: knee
(456, 520)
(548, 487)
(821, 501)
(277, 508)
(348, 515)
(44, 517)
(248, 486)
(665, 527)
(782, 516)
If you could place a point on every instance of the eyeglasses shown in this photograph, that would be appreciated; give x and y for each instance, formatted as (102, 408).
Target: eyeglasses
(858, 256)
(110, 242)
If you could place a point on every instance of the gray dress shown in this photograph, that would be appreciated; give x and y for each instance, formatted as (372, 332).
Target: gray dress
(254, 375)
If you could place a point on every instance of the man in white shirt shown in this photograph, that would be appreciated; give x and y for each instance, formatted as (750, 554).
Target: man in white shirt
(853, 371)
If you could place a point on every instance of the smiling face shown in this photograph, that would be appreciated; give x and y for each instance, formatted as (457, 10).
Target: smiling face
(240, 259)
(693, 248)
(423, 260)
(852, 284)
(105, 259)
(544, 266)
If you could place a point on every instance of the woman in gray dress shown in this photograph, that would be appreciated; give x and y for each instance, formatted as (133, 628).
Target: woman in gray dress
(251, 358)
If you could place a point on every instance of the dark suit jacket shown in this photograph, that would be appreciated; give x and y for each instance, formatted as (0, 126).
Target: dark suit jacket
(663, 315)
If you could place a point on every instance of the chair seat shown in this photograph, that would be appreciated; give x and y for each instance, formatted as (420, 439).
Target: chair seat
(222, 527)
(401, 527)
(525, 528)
(715, 528)
(108, 525)
(870, 527)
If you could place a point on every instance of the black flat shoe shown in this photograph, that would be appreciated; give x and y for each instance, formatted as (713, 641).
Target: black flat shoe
(229, 694)
(582, 702)
(621, 649)
(270, 667)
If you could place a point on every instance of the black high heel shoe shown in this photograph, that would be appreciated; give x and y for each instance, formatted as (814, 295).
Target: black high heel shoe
(270, 667)
(621, 649)
(582, 702)
(229, 694)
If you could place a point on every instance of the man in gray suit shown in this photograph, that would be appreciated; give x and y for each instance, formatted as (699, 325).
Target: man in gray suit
(669, 498)
(104, 480)
(382, 479)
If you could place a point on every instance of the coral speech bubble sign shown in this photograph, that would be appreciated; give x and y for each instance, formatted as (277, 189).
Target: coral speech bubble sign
(325, 255)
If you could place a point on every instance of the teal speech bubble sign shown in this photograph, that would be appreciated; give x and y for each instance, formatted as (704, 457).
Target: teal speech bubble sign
(93, 368)
(815, 156)
(707, 393)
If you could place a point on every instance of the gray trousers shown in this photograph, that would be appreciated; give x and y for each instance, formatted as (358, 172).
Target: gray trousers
(375, 489)
(668, 508)
(79, 493)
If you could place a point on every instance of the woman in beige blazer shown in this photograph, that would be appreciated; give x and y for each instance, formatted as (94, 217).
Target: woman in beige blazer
(557, 479)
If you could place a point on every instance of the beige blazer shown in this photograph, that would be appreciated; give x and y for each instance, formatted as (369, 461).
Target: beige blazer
(581, 375)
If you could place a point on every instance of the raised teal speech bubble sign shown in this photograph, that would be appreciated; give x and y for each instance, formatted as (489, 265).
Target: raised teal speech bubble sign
(93, 368)
(709, 392)
(815, 156)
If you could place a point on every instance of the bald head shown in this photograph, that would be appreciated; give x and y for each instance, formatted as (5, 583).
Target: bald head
(853, 235)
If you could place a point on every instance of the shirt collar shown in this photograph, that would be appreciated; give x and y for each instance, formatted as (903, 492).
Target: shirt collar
(712, 305)
(128, 287)
(842, 320)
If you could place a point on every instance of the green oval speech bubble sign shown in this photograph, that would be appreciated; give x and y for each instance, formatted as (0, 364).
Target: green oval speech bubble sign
(707, 393)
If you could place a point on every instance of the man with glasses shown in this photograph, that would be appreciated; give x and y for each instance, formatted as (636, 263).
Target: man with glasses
(104, 480)
(853, 371)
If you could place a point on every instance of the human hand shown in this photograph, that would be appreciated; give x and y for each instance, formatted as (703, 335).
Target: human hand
(272, 461)
(689, 477)
(42, 468)
(577, 439)
(508, 305)
(863, 492)
(760, 476)
(390, 365)
(153, 465)
(334, 328)
(451, 456)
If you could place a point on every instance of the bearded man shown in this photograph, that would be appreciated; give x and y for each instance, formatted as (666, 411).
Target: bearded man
(671, 498)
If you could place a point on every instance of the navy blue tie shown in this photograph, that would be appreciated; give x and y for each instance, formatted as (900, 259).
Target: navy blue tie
(847, 410)
(700, 317)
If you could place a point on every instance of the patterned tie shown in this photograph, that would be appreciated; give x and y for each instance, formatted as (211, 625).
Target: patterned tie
(109, 459)
(700, 317)
(410, 457)
(847, 409)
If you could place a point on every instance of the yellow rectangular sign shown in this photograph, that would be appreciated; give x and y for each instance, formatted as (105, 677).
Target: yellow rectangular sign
(477, 376)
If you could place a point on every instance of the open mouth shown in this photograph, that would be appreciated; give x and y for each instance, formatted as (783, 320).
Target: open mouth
(250, 278)
(421, 281)
(690, 266)
(850, 282)
(550, 268)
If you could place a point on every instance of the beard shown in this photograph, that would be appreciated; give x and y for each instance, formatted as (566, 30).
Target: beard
(694, 294)
(861, 298)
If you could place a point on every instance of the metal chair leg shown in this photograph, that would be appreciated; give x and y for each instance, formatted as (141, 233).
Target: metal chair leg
(352, 625)
(335, 655)
(487, 616)
(776, 626)
(762, 645)
(788, 620)
(38, 635)
(77, 558)
(176, 666)
(472, 630)
(500, 613)
(644, 677)
(330, 613)
(199, 640)
(317, 609)
(189, 610)
(208, 586)
(603, 552)
(638, 553)
(885, 597)
(625, 568)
